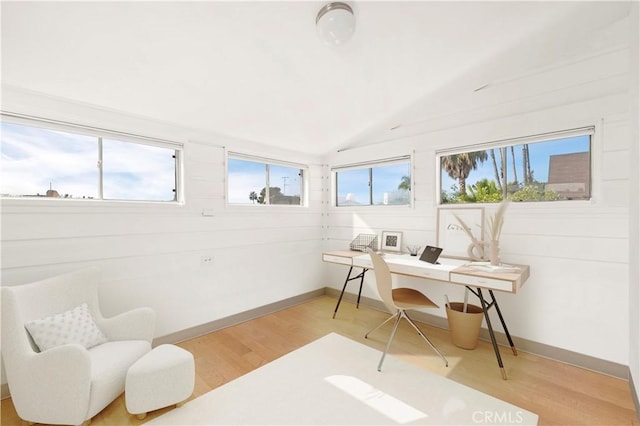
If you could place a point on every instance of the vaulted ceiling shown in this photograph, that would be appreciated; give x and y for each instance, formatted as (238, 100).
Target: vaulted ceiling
(257, 71)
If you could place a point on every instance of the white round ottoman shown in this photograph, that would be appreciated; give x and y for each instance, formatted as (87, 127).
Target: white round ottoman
(163, 377)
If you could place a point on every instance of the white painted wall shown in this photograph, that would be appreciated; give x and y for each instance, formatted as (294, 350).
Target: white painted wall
(149, 253)
(578, 292)
(579, 288)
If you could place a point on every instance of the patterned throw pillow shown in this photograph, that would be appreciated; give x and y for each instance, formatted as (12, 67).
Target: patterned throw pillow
(73, 326)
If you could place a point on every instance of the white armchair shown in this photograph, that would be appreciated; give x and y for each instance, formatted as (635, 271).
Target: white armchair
(68, 384)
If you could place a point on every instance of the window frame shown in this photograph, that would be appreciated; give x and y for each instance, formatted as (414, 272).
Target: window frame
(99, 134)
(509, 142)
(370, 165)
(266, 161)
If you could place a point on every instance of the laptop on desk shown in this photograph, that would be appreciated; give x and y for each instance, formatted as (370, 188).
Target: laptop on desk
(431, 254)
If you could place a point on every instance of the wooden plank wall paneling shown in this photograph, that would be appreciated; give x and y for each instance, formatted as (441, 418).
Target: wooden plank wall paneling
(578, 251)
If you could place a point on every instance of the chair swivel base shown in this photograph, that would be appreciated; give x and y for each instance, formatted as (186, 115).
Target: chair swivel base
(399, 315)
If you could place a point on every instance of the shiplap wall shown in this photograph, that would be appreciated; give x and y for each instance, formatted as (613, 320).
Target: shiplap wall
(150, 253)
(577, 296)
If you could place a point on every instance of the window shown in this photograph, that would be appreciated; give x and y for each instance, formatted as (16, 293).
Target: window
(549, 167)
(254, 180)
(138, 172)
(382, 183)
(51, 162)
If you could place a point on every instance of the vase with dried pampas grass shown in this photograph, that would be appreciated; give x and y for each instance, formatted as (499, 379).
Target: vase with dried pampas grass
(494, 226)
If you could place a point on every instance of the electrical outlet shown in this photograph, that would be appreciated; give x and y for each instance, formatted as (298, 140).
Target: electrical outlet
(206, 260)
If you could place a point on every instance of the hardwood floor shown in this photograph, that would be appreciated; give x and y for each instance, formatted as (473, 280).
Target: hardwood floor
(560, 394)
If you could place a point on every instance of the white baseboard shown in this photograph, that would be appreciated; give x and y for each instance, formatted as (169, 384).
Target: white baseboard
(221, 323)
(540, 349)
(634, 394)
(241, 317)
(557, 354)
(4, 391)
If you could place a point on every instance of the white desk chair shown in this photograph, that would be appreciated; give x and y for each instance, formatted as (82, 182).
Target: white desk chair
(398, 300)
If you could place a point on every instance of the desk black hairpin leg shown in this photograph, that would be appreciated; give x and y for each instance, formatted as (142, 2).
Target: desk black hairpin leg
(494, 302)
(350, 278)
(485, 308)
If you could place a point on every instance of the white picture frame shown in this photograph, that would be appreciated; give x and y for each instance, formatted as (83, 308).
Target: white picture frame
(452, 237)
(391, 241)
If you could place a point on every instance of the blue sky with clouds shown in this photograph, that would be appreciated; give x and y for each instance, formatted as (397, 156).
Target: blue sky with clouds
(353, 185)
(35, 159)
(539, 154)
(249, 176)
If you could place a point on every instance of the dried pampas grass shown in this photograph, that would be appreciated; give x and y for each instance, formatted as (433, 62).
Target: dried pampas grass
(494, 223)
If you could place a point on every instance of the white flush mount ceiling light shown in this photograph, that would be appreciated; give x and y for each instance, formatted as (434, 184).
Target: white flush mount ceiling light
(336, 23)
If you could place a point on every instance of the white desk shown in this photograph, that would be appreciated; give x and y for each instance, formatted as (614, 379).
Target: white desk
(452, 271)
(449, 270)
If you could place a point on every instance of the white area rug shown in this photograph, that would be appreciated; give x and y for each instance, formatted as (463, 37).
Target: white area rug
(334, 381)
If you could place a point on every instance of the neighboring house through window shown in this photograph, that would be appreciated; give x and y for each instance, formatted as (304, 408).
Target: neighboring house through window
(255, 180)
(550, 167)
